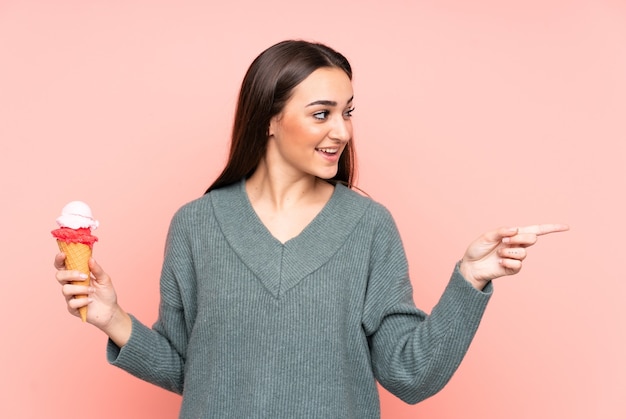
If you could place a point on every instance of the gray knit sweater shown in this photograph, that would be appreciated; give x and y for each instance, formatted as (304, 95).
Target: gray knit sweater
(249, 327)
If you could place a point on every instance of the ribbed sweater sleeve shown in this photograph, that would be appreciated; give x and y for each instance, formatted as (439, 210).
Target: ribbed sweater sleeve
(414, 354)
(157, 355)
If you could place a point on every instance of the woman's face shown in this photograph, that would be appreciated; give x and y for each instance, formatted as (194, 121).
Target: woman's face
(312, 130)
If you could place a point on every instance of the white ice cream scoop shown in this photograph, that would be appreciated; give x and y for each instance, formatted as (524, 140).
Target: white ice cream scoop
(75, 215)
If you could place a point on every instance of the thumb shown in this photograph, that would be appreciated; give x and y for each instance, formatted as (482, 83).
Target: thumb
(97, 271)
(497, 235)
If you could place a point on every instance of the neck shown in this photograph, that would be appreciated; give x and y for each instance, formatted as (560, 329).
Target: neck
(281, 190)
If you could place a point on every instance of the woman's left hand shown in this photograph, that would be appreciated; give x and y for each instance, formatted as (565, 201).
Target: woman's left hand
(501, 252)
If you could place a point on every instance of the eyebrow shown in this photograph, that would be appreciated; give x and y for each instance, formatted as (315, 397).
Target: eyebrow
(326, 102)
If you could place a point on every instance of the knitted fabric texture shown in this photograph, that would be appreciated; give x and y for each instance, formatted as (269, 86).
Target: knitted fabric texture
(251, 327)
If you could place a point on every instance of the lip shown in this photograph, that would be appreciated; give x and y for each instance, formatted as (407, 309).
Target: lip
(331, 157)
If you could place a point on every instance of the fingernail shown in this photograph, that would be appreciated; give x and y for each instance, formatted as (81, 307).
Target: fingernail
(84, 276)
(506, 239)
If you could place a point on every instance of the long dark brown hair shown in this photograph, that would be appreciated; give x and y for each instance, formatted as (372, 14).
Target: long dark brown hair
(266, 88)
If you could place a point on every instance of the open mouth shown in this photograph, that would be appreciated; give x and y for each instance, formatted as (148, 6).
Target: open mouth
(328, 151)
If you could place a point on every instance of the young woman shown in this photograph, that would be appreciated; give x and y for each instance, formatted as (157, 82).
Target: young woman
(284, 293)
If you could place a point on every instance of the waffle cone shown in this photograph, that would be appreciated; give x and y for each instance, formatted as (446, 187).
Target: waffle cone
(77, 258)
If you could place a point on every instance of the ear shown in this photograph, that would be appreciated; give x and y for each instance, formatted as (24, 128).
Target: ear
(274, 124)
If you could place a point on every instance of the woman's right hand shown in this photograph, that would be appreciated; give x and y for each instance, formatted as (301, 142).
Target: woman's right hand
(103, 310)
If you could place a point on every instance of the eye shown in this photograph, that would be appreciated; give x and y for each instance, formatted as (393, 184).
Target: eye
(348, 113)
(321, 115)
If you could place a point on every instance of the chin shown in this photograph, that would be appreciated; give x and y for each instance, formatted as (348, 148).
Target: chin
(327, 174)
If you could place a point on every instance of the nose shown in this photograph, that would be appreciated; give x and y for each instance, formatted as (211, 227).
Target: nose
(341, 130)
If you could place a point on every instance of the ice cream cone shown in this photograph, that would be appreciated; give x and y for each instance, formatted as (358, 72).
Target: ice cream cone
(77, 258)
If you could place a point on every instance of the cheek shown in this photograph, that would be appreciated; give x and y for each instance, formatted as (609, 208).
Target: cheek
(301, 134)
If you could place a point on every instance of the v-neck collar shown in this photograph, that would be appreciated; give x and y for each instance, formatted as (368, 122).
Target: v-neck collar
(281, 266)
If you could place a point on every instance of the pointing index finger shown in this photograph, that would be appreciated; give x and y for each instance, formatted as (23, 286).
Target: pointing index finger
(541, 229)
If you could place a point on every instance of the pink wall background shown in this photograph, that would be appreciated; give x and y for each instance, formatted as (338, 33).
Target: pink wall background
(470, 115)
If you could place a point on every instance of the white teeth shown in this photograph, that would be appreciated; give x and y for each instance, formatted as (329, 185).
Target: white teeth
(328, 150)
